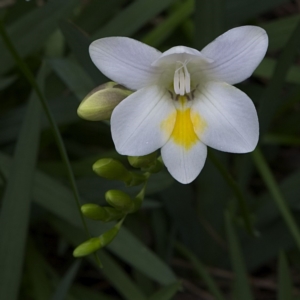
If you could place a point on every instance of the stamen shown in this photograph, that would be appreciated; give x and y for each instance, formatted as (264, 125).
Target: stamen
(182, 79)
(181, 82)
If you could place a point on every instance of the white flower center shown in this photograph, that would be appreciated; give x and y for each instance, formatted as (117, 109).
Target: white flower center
(182, 79)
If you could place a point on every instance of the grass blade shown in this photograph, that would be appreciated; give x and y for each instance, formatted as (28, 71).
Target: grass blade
(241, 282)
(284, 278)
(271, 184)
(40, 284)
(27, 36)
(167, 27)
(270, 100)
(16, 201)
(167, 292)
(79, 43)
(58, 199)
(28, 75)
(112, 271)
(132, 18)
(75, 78)
(65, 284)
(201, 271)
(236, 191)
(209, 21)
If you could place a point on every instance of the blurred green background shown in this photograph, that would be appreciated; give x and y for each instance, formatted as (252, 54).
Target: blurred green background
(232, 234)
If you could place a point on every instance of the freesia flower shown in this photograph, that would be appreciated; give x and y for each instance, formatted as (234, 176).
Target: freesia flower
(184, 99)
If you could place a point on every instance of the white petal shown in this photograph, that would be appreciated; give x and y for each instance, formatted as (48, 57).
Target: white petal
(236, 54)
(184, 165)
(125, 61)
(228, 118)
(137, 123)
(182, 54)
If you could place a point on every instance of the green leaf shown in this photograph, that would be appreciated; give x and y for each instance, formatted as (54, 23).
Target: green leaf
(27, 36)
(270, 182)
(73, 76)
(64, 112)
(209, 21)
(6, 81)
(281, 139)
(84, 293)
(290, 189)
(185, 219)
(167, 292)
(40, 284)
(280, 30)
(270, 99)
(284, 279)
(241, 11)
(112, 271)
(201, 271)
(119, 278)
(237, 191)
(90, 19)
(66, 282)
(132, 18)
(267, 67)
(17, 199)
(79, 43)
(243, 290)
(56, 198)
(274, 237)
(30, 78)
(169, 24)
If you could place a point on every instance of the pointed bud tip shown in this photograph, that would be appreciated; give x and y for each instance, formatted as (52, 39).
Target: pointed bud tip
(87, 247)
(100, 102)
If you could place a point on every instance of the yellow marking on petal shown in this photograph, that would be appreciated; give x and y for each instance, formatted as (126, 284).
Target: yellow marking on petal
(183, 123)
(167, 125)
(183, 133)
(198, 122)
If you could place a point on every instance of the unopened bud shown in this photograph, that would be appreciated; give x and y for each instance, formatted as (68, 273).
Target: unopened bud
(112, 169)
(100, 102)
(88, 247)
(119, 200)
(145, 161)
(94, 212)
(100, 213)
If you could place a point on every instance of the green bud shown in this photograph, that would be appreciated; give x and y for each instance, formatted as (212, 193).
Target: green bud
(94, 212)
(88, 247)
(99, 213)
(100, 102)
(112, 169)
(145, 161)
(119, 200)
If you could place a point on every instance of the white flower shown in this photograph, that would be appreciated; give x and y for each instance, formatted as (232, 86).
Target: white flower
(184, 100)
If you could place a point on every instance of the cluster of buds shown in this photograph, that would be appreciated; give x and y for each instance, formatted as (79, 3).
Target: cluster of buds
(98, 106)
